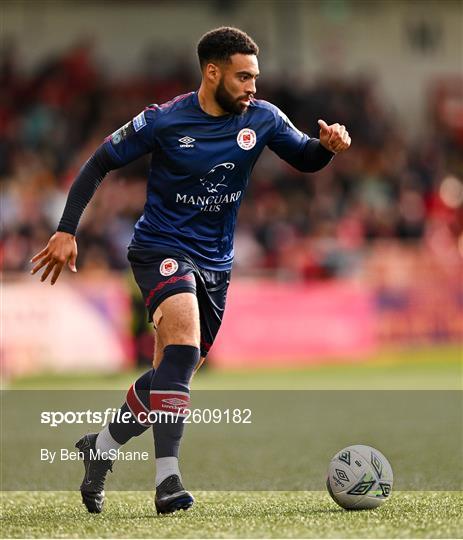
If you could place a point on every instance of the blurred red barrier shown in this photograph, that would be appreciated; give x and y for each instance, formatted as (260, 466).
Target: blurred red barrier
(273, 324)
(83, 326)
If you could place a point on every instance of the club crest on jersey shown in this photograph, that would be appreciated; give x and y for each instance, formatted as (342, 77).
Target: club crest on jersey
(246, 139)
(168, 267)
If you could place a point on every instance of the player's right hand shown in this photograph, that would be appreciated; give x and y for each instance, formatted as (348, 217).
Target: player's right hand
(61, 249)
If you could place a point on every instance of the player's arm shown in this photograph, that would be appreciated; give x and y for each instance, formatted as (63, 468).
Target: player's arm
(125, 145)
(305, 153)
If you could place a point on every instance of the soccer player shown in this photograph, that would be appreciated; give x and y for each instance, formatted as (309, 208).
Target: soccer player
(203, 147)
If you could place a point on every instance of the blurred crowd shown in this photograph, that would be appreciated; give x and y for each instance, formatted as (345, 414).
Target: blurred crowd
(303, 226)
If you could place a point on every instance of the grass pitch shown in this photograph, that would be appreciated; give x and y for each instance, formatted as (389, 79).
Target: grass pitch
(232, 515)
(270, 514)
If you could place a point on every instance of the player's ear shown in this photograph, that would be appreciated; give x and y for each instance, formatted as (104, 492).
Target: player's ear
(212, 72)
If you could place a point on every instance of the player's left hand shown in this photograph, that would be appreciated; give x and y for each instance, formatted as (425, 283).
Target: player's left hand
(334, 138)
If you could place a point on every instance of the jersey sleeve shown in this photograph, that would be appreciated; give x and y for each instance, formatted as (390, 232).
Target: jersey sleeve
(286, 140)
(298, 149)
(134, 139)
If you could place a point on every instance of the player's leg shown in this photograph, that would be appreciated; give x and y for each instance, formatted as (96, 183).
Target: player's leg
(130, 422)
(178, 330)
(168, 286)
(187, 325)
(116, 434)
(150, 277)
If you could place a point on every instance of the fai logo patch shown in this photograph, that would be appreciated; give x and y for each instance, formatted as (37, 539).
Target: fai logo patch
(168, 267)
(139, 121)
(187, 142)
(246, 139)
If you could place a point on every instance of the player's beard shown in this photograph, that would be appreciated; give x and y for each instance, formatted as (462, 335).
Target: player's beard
(227, 102)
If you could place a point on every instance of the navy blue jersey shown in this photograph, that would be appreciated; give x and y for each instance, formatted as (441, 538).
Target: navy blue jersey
(199, 171)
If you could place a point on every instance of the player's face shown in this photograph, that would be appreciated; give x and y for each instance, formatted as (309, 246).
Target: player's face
(237, 83)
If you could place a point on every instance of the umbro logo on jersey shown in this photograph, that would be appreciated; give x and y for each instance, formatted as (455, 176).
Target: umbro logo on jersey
(186, 142)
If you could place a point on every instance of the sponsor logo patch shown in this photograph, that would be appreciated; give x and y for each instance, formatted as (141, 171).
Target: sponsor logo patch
(168, 267)
(139, 121)
(120, 134)
(213, 179)
(214, 182)
(246, 139)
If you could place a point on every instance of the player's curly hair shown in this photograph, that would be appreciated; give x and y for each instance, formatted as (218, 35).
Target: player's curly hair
(221, 43)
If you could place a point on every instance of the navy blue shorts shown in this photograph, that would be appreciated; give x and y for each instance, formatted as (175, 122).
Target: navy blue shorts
(163, 273)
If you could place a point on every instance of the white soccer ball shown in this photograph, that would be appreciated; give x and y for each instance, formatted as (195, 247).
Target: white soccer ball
(359, 477)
